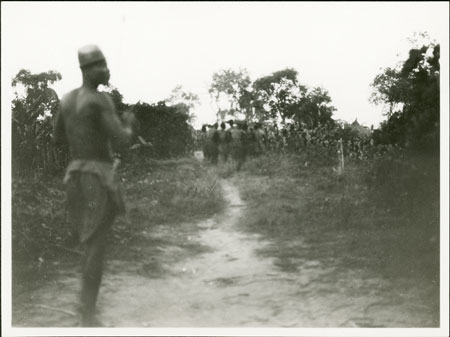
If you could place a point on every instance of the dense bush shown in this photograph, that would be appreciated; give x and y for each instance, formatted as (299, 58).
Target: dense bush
(167, 128)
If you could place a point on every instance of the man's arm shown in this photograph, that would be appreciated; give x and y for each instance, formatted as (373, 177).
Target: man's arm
(119, 132)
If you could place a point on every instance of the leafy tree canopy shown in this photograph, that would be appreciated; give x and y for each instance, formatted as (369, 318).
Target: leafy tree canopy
(411, 91)
(267, 83)
(32, 82)
(281, 95)
(233, 87)
(184, 101)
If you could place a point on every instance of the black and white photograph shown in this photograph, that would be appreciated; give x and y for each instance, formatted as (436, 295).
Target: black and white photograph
(225, 168)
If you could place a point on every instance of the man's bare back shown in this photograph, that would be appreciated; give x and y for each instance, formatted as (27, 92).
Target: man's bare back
(91, 124)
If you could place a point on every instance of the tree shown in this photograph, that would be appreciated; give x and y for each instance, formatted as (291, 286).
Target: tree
(281, 96)
(184, 101)
(313, 108)
(233, 87)
(34, 108)
(387, 88)
(413, 89)
(275, 94)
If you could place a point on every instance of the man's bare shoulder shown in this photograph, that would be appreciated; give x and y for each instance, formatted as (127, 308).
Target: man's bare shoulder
(82, 99)
(69, 97)
(96, 99)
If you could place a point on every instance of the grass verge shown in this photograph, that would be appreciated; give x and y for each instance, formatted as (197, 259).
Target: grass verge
(382, 216)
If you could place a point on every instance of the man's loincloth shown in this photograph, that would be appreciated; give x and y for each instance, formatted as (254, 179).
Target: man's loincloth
(93, 196)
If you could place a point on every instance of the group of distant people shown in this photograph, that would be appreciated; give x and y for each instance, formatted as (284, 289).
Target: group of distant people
(234, 144)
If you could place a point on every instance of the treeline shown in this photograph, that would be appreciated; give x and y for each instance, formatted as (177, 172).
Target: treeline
(276, 98)
(296, 117)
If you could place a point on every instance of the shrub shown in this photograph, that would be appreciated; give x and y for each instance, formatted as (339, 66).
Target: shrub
(166, 128)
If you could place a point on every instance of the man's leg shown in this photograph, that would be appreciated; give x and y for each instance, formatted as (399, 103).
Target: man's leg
(92, 270)
(216, 156)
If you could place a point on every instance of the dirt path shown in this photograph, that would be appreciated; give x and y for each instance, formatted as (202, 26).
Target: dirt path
(227, 285)
(223, 287)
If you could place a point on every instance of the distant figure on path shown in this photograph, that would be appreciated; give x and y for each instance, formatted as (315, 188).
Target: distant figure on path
(246, 141)
(224, 143)
(212, 141)
(204, 142)
(236, 145)
(259, 139)
(88, 122)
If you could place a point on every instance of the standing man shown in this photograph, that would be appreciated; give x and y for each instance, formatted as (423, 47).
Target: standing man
(204, 142)
(224, 140)
(246, 141)
(212, 137)
(88, 122)
(236, 145)
(259, 136)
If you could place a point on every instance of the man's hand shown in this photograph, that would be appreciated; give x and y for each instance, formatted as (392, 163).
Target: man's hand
(143, 143)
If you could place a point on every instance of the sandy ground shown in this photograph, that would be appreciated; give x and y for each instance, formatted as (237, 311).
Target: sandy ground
(226, 284)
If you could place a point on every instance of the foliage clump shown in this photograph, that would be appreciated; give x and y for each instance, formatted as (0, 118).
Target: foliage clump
(411, 93)
(34, 110)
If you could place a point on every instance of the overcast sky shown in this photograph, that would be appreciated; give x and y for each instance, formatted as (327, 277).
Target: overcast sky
(152, 47)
